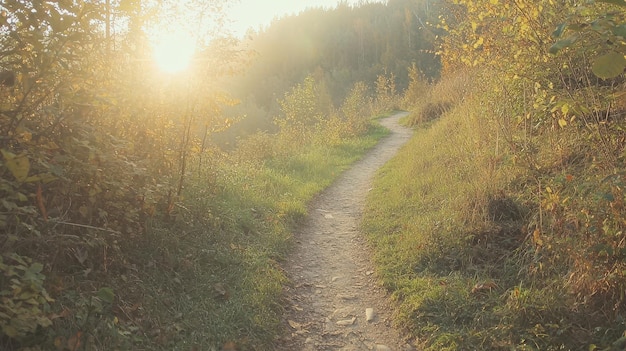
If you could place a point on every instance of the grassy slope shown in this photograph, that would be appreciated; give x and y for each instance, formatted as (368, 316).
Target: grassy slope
(418, 223)
(218, 282)
(451, 220)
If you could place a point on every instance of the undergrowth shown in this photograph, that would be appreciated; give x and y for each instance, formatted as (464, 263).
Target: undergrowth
(206, 276)
(493, 237)
(225, 269)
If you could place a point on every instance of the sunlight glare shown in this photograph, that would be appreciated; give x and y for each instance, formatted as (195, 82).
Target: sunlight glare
(173, 51)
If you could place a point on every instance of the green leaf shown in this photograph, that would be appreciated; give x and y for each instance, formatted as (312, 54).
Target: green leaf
(84, 211)
(106, 295)
(18, 165)
(20, 259)
(562, 44)
(35, 268)
(619, 343)
(610, 65)
(598, 25)
(9, 331)
(44, 321)
(620, 30)
(559, 30)
(615, 2)
(43, 177)
(577, 27)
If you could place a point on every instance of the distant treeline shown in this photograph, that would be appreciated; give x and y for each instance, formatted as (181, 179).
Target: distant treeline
(338, 46)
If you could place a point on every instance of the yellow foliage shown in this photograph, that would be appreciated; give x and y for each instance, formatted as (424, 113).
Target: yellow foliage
(18, 165)
(498, 29)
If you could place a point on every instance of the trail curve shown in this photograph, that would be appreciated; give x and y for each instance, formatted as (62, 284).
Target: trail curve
(333, 291)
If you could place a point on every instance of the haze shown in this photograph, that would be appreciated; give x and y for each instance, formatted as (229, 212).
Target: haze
(253, 14)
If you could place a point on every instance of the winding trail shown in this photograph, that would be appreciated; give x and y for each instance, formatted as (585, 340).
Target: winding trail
(330, 268)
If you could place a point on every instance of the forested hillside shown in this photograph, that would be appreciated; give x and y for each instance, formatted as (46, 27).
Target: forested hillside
(501, 226)
(338, 47)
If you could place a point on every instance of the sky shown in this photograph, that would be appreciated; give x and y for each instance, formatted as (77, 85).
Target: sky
(246, 14)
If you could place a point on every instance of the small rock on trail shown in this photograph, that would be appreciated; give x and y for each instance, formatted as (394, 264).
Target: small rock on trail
(334, 301)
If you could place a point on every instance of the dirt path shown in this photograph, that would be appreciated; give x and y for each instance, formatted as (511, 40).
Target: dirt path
(332, 276)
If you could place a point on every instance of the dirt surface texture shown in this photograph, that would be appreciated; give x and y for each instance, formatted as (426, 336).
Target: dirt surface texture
(334, 301)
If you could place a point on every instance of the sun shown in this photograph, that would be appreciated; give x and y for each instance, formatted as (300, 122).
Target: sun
(173, 51)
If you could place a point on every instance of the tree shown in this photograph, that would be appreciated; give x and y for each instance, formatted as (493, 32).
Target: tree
(93, 142)
(356, 109)
(386, 93)
(302, 112)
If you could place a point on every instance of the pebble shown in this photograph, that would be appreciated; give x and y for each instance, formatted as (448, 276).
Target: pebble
(343, 312)
(382, 348)
(369, 314)
(347, 321)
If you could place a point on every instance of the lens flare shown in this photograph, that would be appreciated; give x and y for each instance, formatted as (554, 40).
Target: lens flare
(173, 51)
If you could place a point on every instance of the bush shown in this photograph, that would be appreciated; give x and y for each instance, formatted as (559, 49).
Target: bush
(433, 111)
(25, 302)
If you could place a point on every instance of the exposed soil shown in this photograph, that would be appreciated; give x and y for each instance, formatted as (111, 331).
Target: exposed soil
(332, 278)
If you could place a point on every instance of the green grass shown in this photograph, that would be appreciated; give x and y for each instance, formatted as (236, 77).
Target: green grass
(451, 219)
(414, 222)
(212, 277)
(206, 276)
(424, 210)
